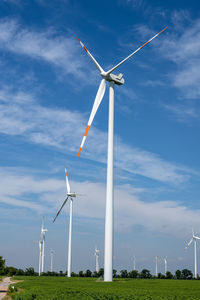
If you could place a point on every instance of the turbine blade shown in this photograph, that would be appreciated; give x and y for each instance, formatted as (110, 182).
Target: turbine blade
(97, 101)
(111, 70)
(92, 58)
(67, 182)
(60, 209)
(189, 243)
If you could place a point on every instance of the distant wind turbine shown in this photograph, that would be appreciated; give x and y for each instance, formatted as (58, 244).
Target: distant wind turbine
(40, 256)
(194, 240)
(156, 261)
(41, 248)
(134, 262)
(165, 261)
(69, 196)
(96, 253)
(51, 256)
(112, 79)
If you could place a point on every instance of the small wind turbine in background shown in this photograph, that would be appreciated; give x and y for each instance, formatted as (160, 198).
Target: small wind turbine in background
(40, 255)
(134, 268)
(41, 248)
(69, 196)
(165, 262)
(194, 240)
(156, 261)
(96, 253)
(51, 257)
(43, 232)
(112, 79)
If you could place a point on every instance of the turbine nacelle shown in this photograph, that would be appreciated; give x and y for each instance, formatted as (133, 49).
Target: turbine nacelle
(72, 195)
(117, 79)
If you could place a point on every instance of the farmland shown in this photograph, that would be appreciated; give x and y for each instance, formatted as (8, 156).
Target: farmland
(61, 288)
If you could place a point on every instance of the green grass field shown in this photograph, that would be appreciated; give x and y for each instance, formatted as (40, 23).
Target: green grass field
(58, 288)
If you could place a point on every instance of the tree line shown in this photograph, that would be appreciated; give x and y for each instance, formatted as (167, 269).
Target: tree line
(11, 271)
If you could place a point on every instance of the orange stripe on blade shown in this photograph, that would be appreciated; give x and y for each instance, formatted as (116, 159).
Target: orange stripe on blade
(78, 39)
(79, 152)
(87, 129)
(85, 48)
(163, 30)
(144, 45)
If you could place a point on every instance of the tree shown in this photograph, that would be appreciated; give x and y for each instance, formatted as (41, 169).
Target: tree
(20, 272)
(101, 272)
(186, 274)
(88, 273)
(133, 274)
(178, 274)
(81, 274)
(161, 276)
(123, 273)
(168, 275)
(73, 274)
(95, 274)
(145, 274)
(10, 271)
(30, 271)
(114, 273)
(2, 265)
(61, 273)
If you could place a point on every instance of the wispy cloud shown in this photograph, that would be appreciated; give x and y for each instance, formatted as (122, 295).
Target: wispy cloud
(182, 112)
(167, 217)
(153, 83)
(59, 50)
(136, 3)
(18, 187)
(20, 114)
(182, 47)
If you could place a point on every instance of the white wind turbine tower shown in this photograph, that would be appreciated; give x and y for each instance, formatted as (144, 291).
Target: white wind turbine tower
(40, 255)
(70, 196)
(96, 253)
(51, 257)
(134, 268)
(165, 261)
(156, 260)
(112, 79)
(42, 237)
(194, 240)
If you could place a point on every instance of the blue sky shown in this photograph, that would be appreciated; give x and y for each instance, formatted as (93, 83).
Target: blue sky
(47, 88)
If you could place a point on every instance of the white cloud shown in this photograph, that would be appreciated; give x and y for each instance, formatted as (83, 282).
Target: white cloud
(59, 50)
(167, 217)
(182, 112)
(182, 47)
(22, 115)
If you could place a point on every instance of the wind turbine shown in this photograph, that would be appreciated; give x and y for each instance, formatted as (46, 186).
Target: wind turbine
(96, 253)
(40, 255)
(134, 263)
(69, 196)
(51, 256)
(42, 239)
(156, 260)
(112, 79)
(194, 240)
(165, 261)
